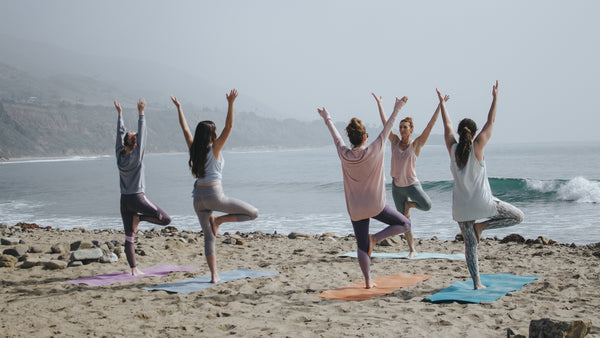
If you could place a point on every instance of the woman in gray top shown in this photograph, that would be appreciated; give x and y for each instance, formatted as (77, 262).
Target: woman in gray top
(206, 163)
(135, 207)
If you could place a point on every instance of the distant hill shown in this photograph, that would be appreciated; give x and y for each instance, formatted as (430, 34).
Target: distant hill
(63, 116)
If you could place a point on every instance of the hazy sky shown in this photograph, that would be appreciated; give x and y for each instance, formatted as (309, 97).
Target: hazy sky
(296, 56)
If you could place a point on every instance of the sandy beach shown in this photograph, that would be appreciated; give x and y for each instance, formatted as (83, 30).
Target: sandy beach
(36, 302)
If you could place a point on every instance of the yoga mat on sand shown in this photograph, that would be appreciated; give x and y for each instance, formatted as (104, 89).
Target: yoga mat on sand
(404, 255)
(125, 276)
(385, 285)
(497, 285)
(203, 282)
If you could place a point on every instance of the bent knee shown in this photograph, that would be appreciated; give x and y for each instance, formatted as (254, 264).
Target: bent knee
(253, 214)
(166, 220)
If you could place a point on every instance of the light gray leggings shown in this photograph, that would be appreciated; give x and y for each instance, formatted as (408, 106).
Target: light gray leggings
(508, 215)
(211, 198)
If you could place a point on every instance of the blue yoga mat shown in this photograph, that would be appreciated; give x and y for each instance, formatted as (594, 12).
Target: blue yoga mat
(202, 282)
(404, 255)
(497, 285)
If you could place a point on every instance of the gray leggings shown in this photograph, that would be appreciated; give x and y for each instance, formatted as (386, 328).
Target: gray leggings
(211, 198)
(508, 215)
(416, 194)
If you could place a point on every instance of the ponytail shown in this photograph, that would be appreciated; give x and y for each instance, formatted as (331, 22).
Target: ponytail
(466, 130)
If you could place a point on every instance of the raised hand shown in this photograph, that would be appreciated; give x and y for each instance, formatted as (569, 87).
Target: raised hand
(141, 105)
(231, 96)
(495, 89)
(323, 112)
(378, 99)
(118, 106)
(442, 99)
(177, 104)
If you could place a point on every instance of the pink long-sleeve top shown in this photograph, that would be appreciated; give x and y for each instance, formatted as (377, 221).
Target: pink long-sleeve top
(363, 171)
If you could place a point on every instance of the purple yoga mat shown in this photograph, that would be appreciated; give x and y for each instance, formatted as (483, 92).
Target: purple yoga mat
(125, 276)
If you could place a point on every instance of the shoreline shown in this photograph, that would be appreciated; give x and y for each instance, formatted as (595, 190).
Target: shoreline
(37, 303)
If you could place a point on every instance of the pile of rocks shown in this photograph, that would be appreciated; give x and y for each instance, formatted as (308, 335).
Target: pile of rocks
(60, 255)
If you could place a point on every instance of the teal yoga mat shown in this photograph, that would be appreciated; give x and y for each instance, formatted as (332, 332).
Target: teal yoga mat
(202, 282)
(497, 285)
(404, 255)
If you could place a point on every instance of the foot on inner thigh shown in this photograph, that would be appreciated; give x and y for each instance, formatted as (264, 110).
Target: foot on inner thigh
(372, 243)
(135, 222)
(214, 225)
(479, 227)
(407, 206)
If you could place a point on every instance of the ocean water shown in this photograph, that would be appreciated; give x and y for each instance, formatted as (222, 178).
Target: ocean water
(556, 186)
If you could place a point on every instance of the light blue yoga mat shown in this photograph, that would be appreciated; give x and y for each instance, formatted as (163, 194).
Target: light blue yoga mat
(497, 285)
(202, 282)
(404, 255)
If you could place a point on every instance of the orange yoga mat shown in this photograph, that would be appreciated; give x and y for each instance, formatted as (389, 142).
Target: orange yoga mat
(385, 285)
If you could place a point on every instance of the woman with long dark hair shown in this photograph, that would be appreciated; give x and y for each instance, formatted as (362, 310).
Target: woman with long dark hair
(364, 186)
(472, 197)
(206, 163)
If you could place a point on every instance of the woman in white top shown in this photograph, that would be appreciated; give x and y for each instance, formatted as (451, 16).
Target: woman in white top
(206, 163)
(406, 188)
(472, 197)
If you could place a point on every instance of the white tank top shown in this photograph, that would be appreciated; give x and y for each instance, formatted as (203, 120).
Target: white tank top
(472, 197)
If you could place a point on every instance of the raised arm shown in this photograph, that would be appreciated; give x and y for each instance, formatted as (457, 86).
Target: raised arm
(393, 135)
(389, 124)
(486, 132)
(220, 141)
(120, 129)
(189, 139)
(422, 139)
(449, 138)
(141, 136)
(337, 138)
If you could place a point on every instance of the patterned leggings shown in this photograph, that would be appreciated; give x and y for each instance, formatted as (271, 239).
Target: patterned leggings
(508, 215)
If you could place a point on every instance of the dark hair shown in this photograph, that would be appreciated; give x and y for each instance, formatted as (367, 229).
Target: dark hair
(466, 130)
(205, 135)
(128, 142)
(356, 131)
(408, 120)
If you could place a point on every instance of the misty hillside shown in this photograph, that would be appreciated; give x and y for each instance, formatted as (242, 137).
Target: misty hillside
(61, 115)
(54, 102)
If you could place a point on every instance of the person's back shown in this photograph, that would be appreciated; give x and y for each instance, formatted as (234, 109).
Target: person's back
(471, 197)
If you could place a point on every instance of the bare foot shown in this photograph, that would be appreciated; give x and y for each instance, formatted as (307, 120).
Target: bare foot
(215, 279)
(136, 272)
(412, 254)
(372, 243)
(407, 206)
(479, 286)
(213, 225)
(135, 222)
(479, 227)
(369, 284)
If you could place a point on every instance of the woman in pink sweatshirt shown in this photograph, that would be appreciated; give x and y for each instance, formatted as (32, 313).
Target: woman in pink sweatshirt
(364, 185)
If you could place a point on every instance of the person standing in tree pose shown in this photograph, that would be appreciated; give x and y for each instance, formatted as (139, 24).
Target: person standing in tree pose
(406, 188)
(135, 207)
(206, 163)
(364, 185)
(472, 197)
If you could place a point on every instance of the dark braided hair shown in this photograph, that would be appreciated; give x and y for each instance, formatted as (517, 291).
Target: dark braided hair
(205, 135)
(356, 131)
(466, 130)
